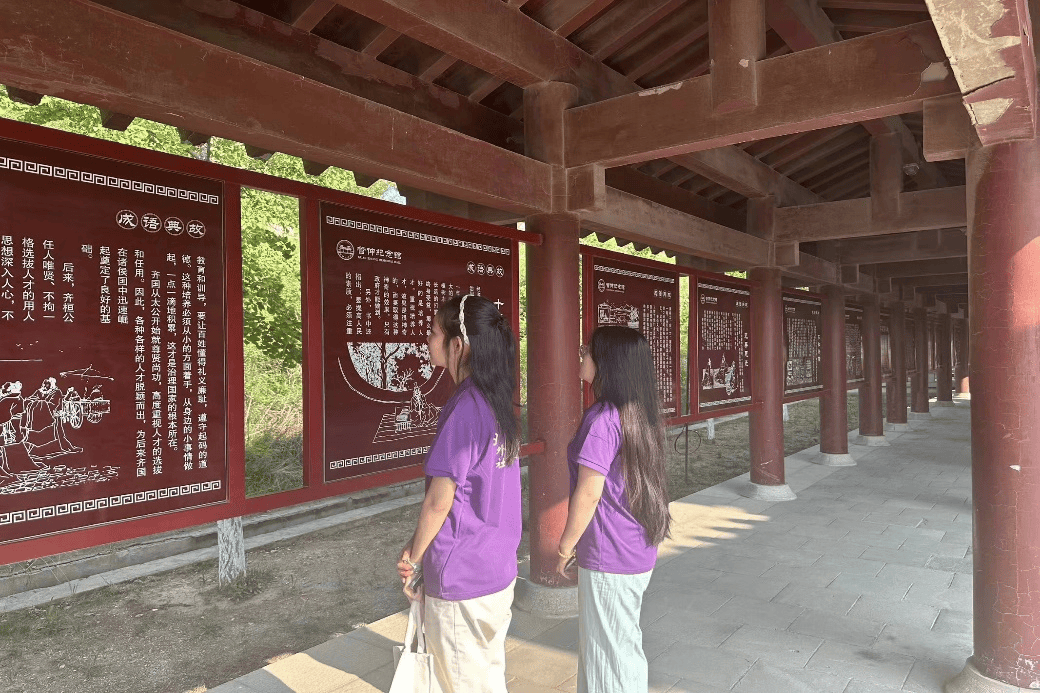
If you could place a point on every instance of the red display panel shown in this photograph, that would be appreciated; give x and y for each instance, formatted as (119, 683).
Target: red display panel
(645, 297)
(886, 345)
(723, 365)
(803, 327)
(383, 278)
(112, 345)
(853, 344)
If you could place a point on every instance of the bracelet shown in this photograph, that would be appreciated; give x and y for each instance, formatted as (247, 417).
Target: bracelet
(561, 554)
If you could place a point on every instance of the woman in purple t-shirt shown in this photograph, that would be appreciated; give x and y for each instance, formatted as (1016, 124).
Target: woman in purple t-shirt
(463, 551)
(618, 509)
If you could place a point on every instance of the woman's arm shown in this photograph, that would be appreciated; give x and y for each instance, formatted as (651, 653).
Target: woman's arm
(435, 509)
(584, 501)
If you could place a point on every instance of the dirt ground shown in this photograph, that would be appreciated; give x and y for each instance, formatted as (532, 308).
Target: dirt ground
(179, 632)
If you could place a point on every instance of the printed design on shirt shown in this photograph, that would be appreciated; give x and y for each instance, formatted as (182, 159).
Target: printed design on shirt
(618, 314)
(404, 375)
(38, 429)
(501, 460)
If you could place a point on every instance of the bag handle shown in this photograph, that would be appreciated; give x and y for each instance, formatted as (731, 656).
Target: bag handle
(415, 630)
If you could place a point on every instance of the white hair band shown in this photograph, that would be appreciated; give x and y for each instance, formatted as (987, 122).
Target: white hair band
(462, 319)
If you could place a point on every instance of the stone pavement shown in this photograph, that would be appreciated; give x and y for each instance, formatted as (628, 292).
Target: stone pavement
(861, 585)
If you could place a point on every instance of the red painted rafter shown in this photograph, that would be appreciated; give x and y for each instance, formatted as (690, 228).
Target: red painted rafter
(567, 16)
(311, 14)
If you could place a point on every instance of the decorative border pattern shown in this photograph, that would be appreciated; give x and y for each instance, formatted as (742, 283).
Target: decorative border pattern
(414, 235)
(809, 301)
(714, 287)
(630, 273)
(39, 169)
(45, 512)
(378, 457)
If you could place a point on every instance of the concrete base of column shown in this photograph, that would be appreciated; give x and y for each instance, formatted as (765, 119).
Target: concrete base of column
(901, 427)
(971, 680)
(943, 403)
(551, 602)
(962, 397)
(871, 441)
(755, 491)
(833, 459)
(919, 416)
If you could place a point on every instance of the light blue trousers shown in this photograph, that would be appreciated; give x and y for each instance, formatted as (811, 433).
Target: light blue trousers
(610, 641)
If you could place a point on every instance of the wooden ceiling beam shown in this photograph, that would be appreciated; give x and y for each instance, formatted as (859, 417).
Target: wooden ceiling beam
(631, 181)
(937, 280)
(24, 96)
(262, 38)
(802, 144)
(845, 186)
(737, 170)
(111, 120)
(843, 163)
(380, 42)
(90, 54)
(871, 77)
(826, 152)
(992, 55)
(624, 23)
(737, 44)
(471, 31)
(925, 209)
(567, 16)
(869, 22)
(886, 249)
(920, 268)
(850, 158)
(875, 5)
(309, 13)
(802, 25)
(667, 52)
(643, 221)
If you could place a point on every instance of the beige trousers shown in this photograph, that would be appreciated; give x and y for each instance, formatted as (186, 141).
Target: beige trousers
(467, 639)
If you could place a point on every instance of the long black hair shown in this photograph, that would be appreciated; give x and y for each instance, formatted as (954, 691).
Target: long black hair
(491, 362)
(625, 378)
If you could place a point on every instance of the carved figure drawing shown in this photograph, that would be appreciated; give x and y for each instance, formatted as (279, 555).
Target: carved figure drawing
(34, 430)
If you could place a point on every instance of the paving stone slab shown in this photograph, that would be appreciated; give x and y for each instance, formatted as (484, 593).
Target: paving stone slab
(767, 677)
(780, 647)
(708, 665)
(867, 665)
(860, 632)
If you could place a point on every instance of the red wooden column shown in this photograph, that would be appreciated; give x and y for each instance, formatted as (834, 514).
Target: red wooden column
(919, 389)
(897, 385)
(871, 423)
(766, 419)
(1004, 272)
(960, 372)
(834, 417)
(944, 367)
(553, 325)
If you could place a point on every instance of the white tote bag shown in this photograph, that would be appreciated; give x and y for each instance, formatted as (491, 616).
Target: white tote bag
(413, 670)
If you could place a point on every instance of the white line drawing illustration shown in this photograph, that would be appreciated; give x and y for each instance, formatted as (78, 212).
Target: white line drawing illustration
(403, 369)
(618, 314)
(722, 378)
(34, 431)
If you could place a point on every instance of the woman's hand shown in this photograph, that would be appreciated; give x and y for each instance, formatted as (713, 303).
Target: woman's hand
(565, 565)
(405, 566)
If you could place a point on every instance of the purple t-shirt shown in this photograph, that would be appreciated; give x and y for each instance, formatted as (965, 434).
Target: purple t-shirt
(474, 554)
(614, 542)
